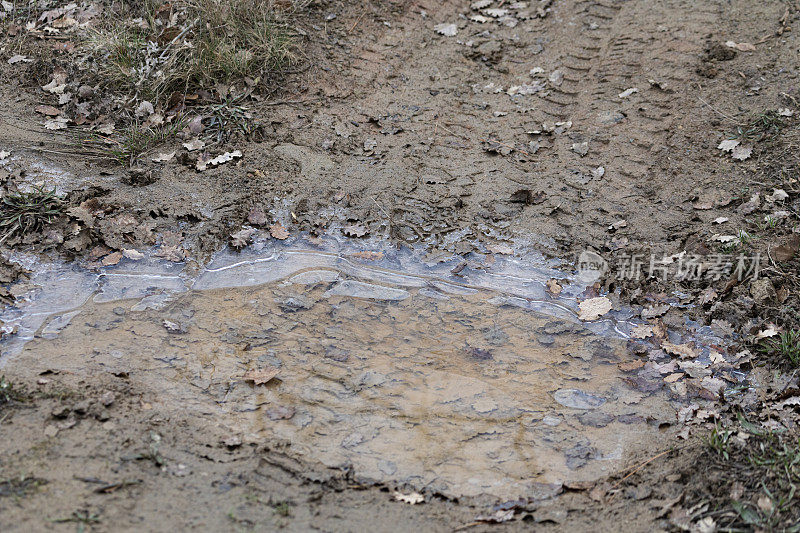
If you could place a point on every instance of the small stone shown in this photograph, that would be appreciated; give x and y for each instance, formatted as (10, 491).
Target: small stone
(550, 420)
(61, 411)
(107, 398)
(595, 419)
(85, 91)
(762, 291)
(81, 407)
(295, 303)
(578, 399)
(546, 340)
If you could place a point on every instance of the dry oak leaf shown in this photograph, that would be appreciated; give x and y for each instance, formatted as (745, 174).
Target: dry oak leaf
(279, 232)
(594, 308)
(685, 351)
(261, 376)
(631, 365)
(553, 287)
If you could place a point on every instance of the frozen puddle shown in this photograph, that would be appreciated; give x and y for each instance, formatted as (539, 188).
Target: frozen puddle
(395, 368)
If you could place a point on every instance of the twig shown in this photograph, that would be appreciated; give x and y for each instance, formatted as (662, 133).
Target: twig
(451, 132)
(718, 111)
(381, 208)
(356, 23)
(282, 102)
(642, 465)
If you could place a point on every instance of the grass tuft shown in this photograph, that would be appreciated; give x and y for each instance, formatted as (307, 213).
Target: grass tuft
(18, 487)
(25, 212)
(786, 346)
(764, 126)
(192, 45)
(9, 393)
(763, 464)
(282, 509)
(129, 144)
(718, 441)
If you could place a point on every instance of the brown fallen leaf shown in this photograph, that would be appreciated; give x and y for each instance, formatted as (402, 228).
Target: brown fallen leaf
(597, 494)
(261, 376)
(594, 308)
(527, 196)
(708, 295)
(497, 517)
(553, 287)
(770, 331)
(48, 110)
(641, 332)
(204, 162)
(713, 385)
(500, 248)
(412, 499)
(742, 47)
(672, 378)
(655, 311)
(280, 412)
(257, 217)
(232, 441)
(279, 232)
(630, 365)
(355, 230)
(112, 259)
(685, 351)
(737, 490)
(786, 252)
(241, 238)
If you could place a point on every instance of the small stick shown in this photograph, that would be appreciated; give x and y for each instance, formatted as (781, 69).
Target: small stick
(380, 207)
(451, 132)
(717, 111)
(356, 22)
(639, 468)
(282, 102)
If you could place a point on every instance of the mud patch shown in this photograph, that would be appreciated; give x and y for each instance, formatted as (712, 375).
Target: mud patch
(468, 385)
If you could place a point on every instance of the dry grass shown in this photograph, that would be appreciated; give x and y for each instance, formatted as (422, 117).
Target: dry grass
(127, 145)
(192, 45)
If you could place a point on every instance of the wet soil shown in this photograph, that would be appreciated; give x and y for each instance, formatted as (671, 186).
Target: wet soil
(385, 373)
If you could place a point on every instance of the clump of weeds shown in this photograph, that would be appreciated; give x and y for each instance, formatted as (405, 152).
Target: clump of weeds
(11, 393)
(27, 212)
(763, 126)
(748, 477)
(191, 45)
(785, 347)
(20, 486)
(129, 144)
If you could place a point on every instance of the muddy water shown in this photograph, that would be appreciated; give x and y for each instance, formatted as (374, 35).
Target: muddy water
(393, 367)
